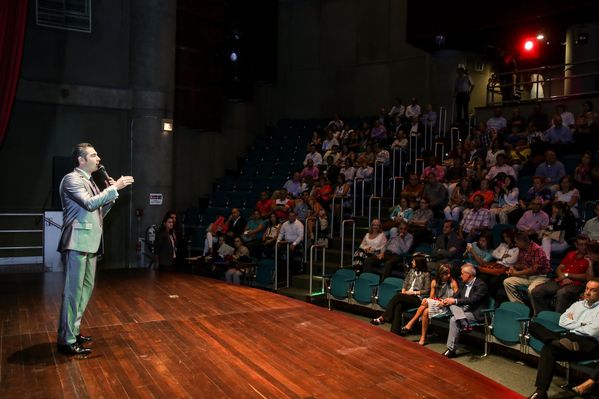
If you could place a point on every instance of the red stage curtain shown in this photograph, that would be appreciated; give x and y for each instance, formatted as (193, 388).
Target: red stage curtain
(13, 20)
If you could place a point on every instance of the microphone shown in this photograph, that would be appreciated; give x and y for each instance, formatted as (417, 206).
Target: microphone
(103, 173)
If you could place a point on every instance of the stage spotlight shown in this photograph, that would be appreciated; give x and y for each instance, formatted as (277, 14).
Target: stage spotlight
(540, 36)
(233, 56)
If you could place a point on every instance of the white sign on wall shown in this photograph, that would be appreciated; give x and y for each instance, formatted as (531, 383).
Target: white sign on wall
(155, 198)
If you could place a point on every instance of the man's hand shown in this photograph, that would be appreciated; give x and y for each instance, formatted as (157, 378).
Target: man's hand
(448, 301)
(381, 256)
(122, 182)
(570, 316)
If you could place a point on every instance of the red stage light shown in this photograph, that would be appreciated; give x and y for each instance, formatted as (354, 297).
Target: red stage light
(529, 48)
(528, 45)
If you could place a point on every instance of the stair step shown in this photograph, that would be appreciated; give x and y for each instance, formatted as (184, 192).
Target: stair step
(300, 294)
(303, 281)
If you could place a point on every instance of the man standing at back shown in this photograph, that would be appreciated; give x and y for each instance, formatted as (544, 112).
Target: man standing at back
(84, 207)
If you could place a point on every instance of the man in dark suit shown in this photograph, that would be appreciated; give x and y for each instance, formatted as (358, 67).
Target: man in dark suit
(449, 248)
(465, 306)
(84, 207)
(236, 226)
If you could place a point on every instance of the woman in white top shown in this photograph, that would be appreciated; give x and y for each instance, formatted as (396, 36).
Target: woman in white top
(568, 195)
(372, 244)
(537, 86)
(506, 255)
(506, 196)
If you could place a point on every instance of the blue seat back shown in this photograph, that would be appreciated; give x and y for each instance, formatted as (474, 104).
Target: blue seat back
(549, 320)
(265, 273)
(363, 287)
(341, 283)
(387, 290)
(506, 326)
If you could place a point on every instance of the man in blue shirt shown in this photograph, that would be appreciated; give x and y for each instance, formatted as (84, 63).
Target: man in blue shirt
(558, 133)
(580, 342)
(551, 170)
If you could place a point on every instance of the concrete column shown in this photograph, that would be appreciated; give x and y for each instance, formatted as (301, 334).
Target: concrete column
(443, 74)
(578, 52)
(152, 58)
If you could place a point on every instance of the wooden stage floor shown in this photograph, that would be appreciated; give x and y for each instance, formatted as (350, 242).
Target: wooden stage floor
(168, 335)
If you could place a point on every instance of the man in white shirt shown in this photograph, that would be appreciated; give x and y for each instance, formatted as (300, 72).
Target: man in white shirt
(413, 110)
(591, 227)
(497, 122)
(314, 156)
(292, 232)
(580, 342)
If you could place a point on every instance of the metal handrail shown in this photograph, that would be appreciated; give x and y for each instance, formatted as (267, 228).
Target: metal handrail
(312, 248)
(356, 194)
(22, 231)
(276, 287)
(25, 231)
(353, 241)
(17, 248)
(394, 169)
(379, 199)
(442, 120)
(306, 235)
(452, 131)
(378, 163)
(395, 179)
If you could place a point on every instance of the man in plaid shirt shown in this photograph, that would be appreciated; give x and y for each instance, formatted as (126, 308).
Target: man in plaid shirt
(530, 270)
(477, 220)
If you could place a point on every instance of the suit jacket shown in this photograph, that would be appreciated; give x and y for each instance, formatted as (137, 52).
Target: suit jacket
(477, 300)
(442, 250)
(83, 213)
(164, 249)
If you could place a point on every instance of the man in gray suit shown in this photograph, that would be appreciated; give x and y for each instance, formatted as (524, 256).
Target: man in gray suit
(84, 206)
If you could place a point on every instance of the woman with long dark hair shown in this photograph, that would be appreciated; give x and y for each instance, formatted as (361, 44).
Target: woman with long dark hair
(417, 286)
(165, 249)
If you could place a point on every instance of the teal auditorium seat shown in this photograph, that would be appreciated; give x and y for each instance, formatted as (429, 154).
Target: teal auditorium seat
(387, 290)
(365, 287)
(340, 285)
(506, 325)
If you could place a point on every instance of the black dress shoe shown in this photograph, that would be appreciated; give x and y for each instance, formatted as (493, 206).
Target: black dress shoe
(81, 339)
(73, 349)
(450, 354)
(404, 331)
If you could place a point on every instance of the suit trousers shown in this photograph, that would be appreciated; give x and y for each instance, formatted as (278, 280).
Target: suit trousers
(553, 352)
(80, 273)
(455, 324)
(395, 308)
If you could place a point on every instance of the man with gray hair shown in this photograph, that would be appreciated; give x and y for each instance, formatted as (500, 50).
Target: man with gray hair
(465, 306)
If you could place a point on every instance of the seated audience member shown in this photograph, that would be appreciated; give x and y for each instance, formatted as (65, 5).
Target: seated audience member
(413, 110)
(568, 195)
(292, 233)
(429, 118)
(539, 118)
(465, 306)
(294, 185)
(493, 152)
(568, 119)
(558, 133)
(280, 205)
(364, 170)
(497, 122)
(271, 232)
(372, 244)
(560, 231)
(479, 253)
(501, 167)
(531, 268)
(507, 199)
(239, 263)
(264, 205)
(572, 273)
(583, 175)
(401, 141)
(505, 256)
(458, 200)
(313, 155)
(323, 192)
(315, 140)
(551, 170)
(378, 131)
(301, 207)
(397, 214)
(517, 123)
(334, 154)
(342, 196)
(476, 221)
(329, 142)
(330, 169)
(382, 155)
(398, 109)
(348, 170)
(215, 230)
(534, 220)
(399, 243)
(519, 155)
(436, 193)
(538, 190)
(433, 168)
(580, 342)
(421, 222)
(235, 226)
(314, 210)
(417, 286)
(457, 171)
(252, 236)
(443, 286)
(591, 227)
(412, 190)
(310, 170)
(486, 192)
(449, 246)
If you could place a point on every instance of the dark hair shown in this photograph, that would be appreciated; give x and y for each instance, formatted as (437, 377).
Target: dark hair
(270, 217)
(421, 264)
(451, 222)
(511, 233)
(489, 237)
(512, 182)
(80, 150)
(589, 105)
(522, 237)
